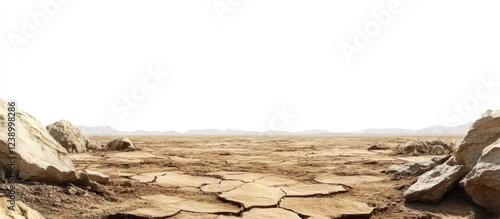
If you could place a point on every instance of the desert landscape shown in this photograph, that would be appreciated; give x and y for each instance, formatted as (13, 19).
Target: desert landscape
(238, 109)
(60, 173)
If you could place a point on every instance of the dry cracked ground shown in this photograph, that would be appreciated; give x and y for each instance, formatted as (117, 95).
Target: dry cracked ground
(244, 177)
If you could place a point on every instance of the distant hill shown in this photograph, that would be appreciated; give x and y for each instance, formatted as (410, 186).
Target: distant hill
(431, 130)
(106, 130)
(103, 130)
(218, 132)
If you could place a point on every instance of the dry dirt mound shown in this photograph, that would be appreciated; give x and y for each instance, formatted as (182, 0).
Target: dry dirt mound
(57, 200)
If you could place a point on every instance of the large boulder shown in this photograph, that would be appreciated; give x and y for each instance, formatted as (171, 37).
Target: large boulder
(69, 136)
(483, 182)
(121, 144)
(433, 185)
(484, 131)
(39, 156)
(93, 144)
(21, 211)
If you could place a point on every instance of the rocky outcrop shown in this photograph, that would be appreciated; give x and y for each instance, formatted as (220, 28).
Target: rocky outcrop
(483, 182)
(433, 185)
(478, 156)
(39, 156)
(121, 144)
(20, 211)
(420, 147)
(439, 149)
(484, 131)
(69, 136)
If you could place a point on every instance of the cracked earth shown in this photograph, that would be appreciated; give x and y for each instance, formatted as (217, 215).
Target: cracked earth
(243, 177)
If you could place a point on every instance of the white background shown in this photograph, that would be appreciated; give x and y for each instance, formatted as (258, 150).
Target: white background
(262, 57)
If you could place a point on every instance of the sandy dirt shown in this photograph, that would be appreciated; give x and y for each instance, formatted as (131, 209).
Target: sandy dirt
(184, 175)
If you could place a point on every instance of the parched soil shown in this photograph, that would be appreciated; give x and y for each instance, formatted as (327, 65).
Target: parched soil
(215, 177)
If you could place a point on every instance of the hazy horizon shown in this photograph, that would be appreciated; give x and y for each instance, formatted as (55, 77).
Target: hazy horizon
(251, 65)
(349, 131)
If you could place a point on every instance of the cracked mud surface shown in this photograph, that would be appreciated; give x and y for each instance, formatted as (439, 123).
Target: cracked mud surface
(243, 177)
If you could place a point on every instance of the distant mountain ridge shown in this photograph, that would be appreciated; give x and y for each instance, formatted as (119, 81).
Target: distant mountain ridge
(431, 130)
(107, 130)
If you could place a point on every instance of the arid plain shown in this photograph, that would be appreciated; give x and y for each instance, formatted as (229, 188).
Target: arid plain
(290, 176)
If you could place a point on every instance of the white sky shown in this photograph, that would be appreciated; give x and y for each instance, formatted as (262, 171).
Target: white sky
(264, 57)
